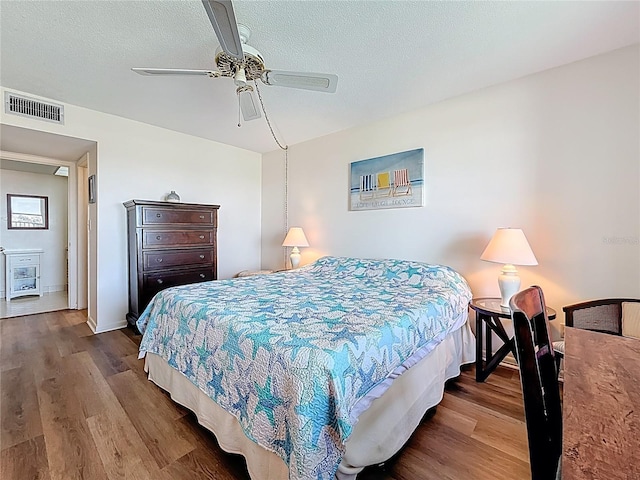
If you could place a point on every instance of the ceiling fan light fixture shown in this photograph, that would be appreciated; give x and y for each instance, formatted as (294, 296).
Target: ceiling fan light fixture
(240, 79)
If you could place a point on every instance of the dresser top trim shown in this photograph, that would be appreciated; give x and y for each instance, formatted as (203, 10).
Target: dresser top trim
(154, 203)
(27, 251)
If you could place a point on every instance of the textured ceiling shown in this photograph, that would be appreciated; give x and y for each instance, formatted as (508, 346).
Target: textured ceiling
(390, 56)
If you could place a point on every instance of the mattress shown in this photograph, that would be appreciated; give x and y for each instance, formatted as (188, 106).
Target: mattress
(381, 431)
(296, 357)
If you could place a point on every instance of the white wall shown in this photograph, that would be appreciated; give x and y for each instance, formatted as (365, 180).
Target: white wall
(556, 153)
(53, 262)
(135, 160)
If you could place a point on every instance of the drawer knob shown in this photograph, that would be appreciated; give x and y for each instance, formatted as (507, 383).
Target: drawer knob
(202, 216)
(202, 237)
(159, 260)
(201, 256)
(158, 237)
(202, 275)
(158, 215)
(160, 281)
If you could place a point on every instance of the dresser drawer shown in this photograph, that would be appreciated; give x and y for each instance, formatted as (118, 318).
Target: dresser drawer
(154, 282)
(156, 260)
(176, 238)
(170, 216)
(24, 260)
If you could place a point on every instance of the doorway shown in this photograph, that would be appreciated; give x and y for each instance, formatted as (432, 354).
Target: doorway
(35, 256)
(63, 269)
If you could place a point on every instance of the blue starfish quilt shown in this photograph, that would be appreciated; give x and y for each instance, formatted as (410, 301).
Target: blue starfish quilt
(289, 354)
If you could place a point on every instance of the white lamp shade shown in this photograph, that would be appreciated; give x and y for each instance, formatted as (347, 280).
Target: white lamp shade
(295, 238)
(509, 246)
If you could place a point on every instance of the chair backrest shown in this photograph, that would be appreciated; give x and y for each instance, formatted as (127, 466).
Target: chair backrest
(384, 180)
(368, 183)
(603, 315)
(401, 178)
(538, 378)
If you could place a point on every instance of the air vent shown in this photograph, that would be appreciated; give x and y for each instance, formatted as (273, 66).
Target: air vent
(29, 107)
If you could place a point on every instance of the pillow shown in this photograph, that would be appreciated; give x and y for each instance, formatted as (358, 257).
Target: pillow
(631, 319)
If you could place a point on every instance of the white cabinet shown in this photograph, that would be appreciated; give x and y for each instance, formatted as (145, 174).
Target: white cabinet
(22, 273)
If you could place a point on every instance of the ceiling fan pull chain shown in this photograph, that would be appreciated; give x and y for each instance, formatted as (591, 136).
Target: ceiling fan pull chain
(266, 117)
(286, 198)
(286, 170)
(239, 116)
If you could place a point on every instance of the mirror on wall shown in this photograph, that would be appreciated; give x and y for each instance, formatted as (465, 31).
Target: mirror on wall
(26, 212)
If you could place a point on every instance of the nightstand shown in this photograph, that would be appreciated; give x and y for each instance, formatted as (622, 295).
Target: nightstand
(489, 312)
(22, 273)
(252, 273)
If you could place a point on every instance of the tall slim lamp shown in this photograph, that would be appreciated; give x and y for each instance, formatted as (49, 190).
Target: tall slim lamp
(295, 238)
(509, 246)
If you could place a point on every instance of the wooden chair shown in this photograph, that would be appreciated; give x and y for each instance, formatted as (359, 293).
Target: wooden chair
(538, 377)
(603, 316)
(599, 315)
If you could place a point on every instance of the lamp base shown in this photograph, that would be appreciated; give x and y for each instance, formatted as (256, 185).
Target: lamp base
(295, 257)
(509, 283)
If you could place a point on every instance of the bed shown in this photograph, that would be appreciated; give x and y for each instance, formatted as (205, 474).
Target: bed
(313, 373)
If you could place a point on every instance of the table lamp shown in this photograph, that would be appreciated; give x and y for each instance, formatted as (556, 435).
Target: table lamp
(295, 238)
(509, 246)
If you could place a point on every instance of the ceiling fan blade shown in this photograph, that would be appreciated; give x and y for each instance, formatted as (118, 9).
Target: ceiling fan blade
(320, 82)
(248, 106)
(175, 71)
(224, 23)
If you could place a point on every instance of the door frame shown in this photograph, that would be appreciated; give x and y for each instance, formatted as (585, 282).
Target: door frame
(73, 231)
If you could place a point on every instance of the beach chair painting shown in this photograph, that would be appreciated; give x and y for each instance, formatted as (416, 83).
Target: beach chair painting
(375, 185)
(368, 186)
(391, 181)
(401, 183)
(384, 185)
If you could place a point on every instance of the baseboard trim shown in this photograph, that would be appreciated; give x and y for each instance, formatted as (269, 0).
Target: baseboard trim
(113, 326)
(92, 323)
(104, 328)
(54, 288)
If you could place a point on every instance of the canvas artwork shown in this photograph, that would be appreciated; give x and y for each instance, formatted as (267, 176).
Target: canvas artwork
(390, 181)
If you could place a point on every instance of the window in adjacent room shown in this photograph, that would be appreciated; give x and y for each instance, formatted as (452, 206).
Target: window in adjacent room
(27, 212)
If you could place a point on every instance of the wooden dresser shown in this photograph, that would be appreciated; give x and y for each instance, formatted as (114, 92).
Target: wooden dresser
(169, 244)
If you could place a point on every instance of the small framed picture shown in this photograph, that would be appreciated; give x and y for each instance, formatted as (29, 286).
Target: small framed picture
(92, 189)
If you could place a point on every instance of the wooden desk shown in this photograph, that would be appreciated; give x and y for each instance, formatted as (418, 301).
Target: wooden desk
(601, 407)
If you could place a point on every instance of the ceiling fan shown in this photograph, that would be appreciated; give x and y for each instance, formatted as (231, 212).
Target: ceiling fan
(240, 61)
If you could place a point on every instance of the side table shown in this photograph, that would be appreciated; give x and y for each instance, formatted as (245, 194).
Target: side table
(252, 273)
(489, 312)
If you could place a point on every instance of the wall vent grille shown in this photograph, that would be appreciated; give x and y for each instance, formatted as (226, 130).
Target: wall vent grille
(29, 107)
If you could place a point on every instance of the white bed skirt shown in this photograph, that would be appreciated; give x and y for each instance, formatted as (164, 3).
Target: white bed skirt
(381, 430)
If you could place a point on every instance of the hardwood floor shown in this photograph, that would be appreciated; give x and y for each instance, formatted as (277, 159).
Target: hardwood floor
(19, 306)
(78, 406)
